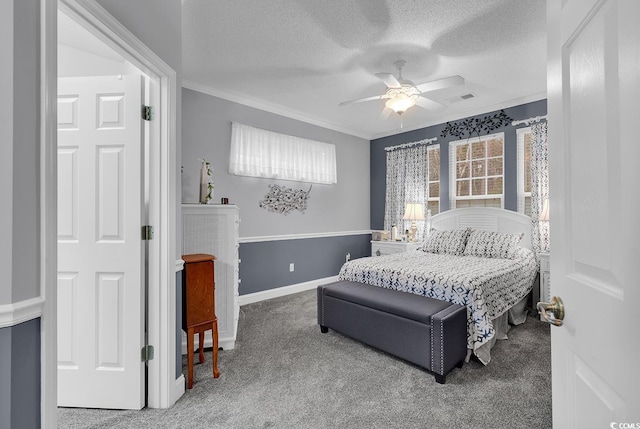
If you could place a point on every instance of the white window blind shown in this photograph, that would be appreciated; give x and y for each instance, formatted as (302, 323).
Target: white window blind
(260, 153)
(476, 172)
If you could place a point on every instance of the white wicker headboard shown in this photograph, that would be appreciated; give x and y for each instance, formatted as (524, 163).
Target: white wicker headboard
(485, 218)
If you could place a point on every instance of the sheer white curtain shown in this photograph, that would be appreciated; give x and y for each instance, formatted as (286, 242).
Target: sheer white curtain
(539, 186)
(407, 182)
(261, 153)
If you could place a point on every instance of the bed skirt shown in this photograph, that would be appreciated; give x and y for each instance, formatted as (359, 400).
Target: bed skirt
(516, 315)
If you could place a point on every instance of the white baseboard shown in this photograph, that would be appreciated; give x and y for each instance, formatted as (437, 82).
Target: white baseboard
(178, 389)
(224, 343)
(250, 298)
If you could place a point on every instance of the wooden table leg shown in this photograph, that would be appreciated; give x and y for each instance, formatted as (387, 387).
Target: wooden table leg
(216, 371)
(190, 334)
(201, 343)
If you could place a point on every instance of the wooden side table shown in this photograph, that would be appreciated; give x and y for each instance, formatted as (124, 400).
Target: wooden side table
(198, 308)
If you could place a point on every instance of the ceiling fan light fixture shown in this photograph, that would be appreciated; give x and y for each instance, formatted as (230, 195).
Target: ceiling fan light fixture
(400, 103)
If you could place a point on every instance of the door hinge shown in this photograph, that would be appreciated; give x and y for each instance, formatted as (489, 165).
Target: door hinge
(147, 353)
(147, 232)
(147, 113)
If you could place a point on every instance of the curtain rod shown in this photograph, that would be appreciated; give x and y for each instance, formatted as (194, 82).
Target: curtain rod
(402, 146)
(530, 120)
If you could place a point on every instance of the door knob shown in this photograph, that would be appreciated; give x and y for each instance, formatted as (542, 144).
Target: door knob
(552, 312)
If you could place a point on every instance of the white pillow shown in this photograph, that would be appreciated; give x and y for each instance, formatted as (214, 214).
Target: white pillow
(452, 242)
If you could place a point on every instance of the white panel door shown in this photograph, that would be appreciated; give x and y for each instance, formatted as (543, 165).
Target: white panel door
(593, 93)
(100, 251)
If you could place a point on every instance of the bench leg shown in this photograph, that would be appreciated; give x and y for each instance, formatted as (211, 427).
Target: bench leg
(440, 378)
(459, 364)
(324, 329)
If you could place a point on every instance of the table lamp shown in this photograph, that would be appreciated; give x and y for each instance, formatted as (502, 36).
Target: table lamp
(413, 212)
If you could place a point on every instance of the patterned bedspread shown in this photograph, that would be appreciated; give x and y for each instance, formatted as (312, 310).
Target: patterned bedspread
(486, 286)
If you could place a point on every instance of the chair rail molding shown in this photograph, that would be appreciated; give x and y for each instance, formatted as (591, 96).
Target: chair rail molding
(21, 311)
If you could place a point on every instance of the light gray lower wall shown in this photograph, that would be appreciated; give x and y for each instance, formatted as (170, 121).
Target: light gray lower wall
(20, 375)
(265, 265)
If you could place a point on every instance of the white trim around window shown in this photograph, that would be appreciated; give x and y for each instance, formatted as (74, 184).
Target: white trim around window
(452, 171)
(520, 133)
(430, 198)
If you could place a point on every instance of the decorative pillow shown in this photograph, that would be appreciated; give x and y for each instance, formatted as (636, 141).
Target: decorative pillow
(452, 241)
(489, 244)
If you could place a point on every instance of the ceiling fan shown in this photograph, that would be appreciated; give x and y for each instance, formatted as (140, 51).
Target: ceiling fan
(402, 94)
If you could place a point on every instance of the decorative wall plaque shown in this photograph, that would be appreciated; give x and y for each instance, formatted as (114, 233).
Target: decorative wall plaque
(470, 126)
(285, 200)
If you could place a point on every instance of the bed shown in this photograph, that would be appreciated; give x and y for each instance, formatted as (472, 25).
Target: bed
(477, 257)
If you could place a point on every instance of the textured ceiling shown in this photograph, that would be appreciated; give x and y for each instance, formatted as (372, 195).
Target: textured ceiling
(301, 58)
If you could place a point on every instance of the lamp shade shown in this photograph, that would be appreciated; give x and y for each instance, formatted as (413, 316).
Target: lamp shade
(413, 211)
(400, 103)
(544, 214)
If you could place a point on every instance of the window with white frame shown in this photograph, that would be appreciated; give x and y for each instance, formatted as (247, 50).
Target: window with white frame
(524, 170)
(260, 153)
(433, 155)
(476, 172)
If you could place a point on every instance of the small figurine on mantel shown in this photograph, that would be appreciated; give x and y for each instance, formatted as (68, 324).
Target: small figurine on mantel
(206, 182)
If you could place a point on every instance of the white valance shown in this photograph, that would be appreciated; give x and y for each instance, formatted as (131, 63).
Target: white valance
(261, 153)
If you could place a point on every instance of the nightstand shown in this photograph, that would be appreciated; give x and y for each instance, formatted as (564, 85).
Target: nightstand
(545, 292)
(379, 248)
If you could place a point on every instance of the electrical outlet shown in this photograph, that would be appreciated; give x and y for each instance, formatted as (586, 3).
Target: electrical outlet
(291, 267)
(348, 257)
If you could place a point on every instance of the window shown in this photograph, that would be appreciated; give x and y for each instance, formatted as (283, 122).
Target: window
(524, 170)
(433, 203)
(261, 153)
(476, 171)
(408, 181)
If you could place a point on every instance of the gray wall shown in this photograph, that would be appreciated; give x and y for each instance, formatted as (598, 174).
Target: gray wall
(20, 375)
(313, 258)
(178, 324)
(332, 208)
(207, 134)
(19, 213)
(20, 128)
(379, 160)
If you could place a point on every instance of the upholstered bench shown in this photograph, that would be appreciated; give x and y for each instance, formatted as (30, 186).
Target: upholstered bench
(425, 331)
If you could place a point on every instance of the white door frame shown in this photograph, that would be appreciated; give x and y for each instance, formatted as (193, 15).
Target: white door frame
(163, 388)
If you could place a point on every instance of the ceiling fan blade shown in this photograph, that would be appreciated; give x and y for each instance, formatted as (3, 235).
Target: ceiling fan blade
(360, 100)
(429, 104)
(384, 115)
(447, 82)
(389, 80)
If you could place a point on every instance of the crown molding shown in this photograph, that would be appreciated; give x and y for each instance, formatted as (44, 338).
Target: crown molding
(283, 111)
(270, 107)
(472, 112)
